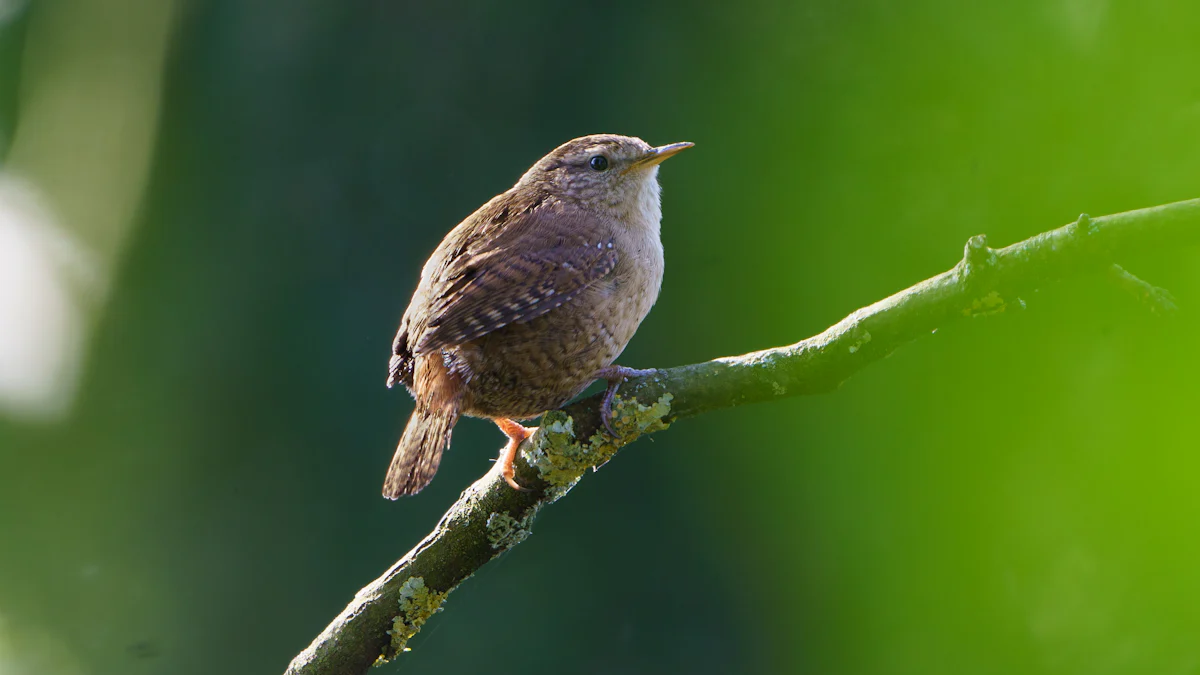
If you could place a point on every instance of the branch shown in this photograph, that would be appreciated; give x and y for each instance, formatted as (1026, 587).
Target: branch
(489, 517)
(1158, 300)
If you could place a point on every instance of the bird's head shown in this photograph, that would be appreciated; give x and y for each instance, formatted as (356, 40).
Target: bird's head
(604, 172)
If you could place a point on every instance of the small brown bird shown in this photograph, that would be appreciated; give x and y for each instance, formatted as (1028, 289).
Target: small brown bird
(531, 299)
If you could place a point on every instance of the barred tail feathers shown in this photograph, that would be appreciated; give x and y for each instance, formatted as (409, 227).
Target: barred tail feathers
(420, 449)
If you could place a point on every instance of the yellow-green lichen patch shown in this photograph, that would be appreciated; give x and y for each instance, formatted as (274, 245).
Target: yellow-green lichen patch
(861, 337)
(992, 303)
(561, 460)
(555, 452)
(504, 531)
(631, 419)
(417, 604)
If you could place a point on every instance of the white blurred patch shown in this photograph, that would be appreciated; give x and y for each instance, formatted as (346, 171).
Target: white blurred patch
(26, 651)
(43, 276)
(9, 9)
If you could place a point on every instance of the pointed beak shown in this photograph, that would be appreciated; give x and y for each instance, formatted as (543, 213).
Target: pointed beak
(659, 154)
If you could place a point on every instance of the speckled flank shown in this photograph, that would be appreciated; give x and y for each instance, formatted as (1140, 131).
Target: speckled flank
(527, 368)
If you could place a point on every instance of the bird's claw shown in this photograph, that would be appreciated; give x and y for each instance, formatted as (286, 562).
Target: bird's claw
(512, 482)
(606, 417)
(615, 375)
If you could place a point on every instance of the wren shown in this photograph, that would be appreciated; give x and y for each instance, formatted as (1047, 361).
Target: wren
(531, 299)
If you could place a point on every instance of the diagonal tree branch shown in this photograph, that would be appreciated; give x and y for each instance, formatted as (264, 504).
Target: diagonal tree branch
(489, 517)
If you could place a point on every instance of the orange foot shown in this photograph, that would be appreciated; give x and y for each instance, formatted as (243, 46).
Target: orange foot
(516, 434)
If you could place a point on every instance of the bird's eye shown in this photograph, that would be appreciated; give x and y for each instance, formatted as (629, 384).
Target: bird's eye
(598, 163)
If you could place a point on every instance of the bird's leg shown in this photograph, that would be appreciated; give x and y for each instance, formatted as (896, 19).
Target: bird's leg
(615, 375)
(516, 434)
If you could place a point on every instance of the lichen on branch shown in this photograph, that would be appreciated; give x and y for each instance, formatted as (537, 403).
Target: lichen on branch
(417, 603)
(561, 460)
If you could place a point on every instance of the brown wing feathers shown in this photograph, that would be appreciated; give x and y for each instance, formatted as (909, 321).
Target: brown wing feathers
(512, 287)
(508, 269)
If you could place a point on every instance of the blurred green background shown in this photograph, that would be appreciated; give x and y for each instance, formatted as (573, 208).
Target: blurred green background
(254, 185)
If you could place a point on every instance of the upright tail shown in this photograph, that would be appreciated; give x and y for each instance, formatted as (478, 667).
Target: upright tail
(420, 450)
